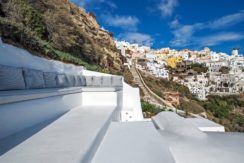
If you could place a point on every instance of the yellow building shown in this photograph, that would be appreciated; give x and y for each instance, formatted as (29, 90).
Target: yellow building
(172, 62)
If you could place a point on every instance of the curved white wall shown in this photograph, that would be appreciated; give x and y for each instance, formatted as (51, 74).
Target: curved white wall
(130, 105)
(129, 102)
(131, 109)
(102, 99)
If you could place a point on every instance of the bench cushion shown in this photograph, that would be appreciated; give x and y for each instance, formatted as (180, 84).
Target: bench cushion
(50, 79)
(33, 78)
(11, 78)
(71, 80)
(93, 81)
(97, 81)
(89, 80)
(117, 81)
(83, 81)
(77, 81)
(62, 80)
(106, 81)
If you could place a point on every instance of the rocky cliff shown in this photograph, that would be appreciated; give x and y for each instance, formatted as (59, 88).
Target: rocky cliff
(59, 30)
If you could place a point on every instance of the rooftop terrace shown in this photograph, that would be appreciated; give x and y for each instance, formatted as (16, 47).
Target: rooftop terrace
(76, 115)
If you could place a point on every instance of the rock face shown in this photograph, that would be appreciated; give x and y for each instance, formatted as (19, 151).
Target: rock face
(58, 29)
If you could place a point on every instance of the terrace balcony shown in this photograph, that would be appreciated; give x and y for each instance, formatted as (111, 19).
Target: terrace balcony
(56, 112)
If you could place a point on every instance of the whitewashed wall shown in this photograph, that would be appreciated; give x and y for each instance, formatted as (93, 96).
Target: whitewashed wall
(212, 129)
(99, 99)
(131, 105)
(131, 109)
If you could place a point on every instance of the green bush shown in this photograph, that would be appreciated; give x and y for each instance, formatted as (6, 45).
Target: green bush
(221, 106)
(200, 68)
(153, 109)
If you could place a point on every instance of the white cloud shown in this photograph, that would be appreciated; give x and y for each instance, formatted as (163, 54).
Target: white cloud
(125, 22)
(220, 38)
(107, 2)
(185, 38)
(135, 37)
(167, 7)
(184, 35)
(227, 21)
(174, 24)
(111, 4)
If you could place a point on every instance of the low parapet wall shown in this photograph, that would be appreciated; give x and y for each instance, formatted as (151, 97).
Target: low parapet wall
(129, 100)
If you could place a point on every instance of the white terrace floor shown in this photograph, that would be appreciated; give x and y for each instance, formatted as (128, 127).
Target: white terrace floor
(88, 135)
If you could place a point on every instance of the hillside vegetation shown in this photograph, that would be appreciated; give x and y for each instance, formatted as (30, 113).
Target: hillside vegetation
(59, 30)
(226, 110)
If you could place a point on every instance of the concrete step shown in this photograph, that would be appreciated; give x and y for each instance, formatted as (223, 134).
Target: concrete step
(74, 137)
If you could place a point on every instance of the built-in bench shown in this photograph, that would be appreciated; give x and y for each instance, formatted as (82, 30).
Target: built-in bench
(56, 112)
(32, 100)
(16, 78)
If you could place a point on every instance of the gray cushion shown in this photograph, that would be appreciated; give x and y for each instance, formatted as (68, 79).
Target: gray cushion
(82, 81)
(77, 81)
(89, 80)
(71, 80)
(106, 81)
(117, 81)
(62, 80)
(33, 78)
(97, 81)
(11, 78)
(50, 79)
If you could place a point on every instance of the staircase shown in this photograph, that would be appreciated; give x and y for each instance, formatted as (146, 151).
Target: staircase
(149, 96)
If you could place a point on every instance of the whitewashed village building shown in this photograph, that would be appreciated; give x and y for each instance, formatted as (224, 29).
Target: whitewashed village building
(198, 85)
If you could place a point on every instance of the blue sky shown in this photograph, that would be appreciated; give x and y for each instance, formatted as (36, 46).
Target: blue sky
(194, 24)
